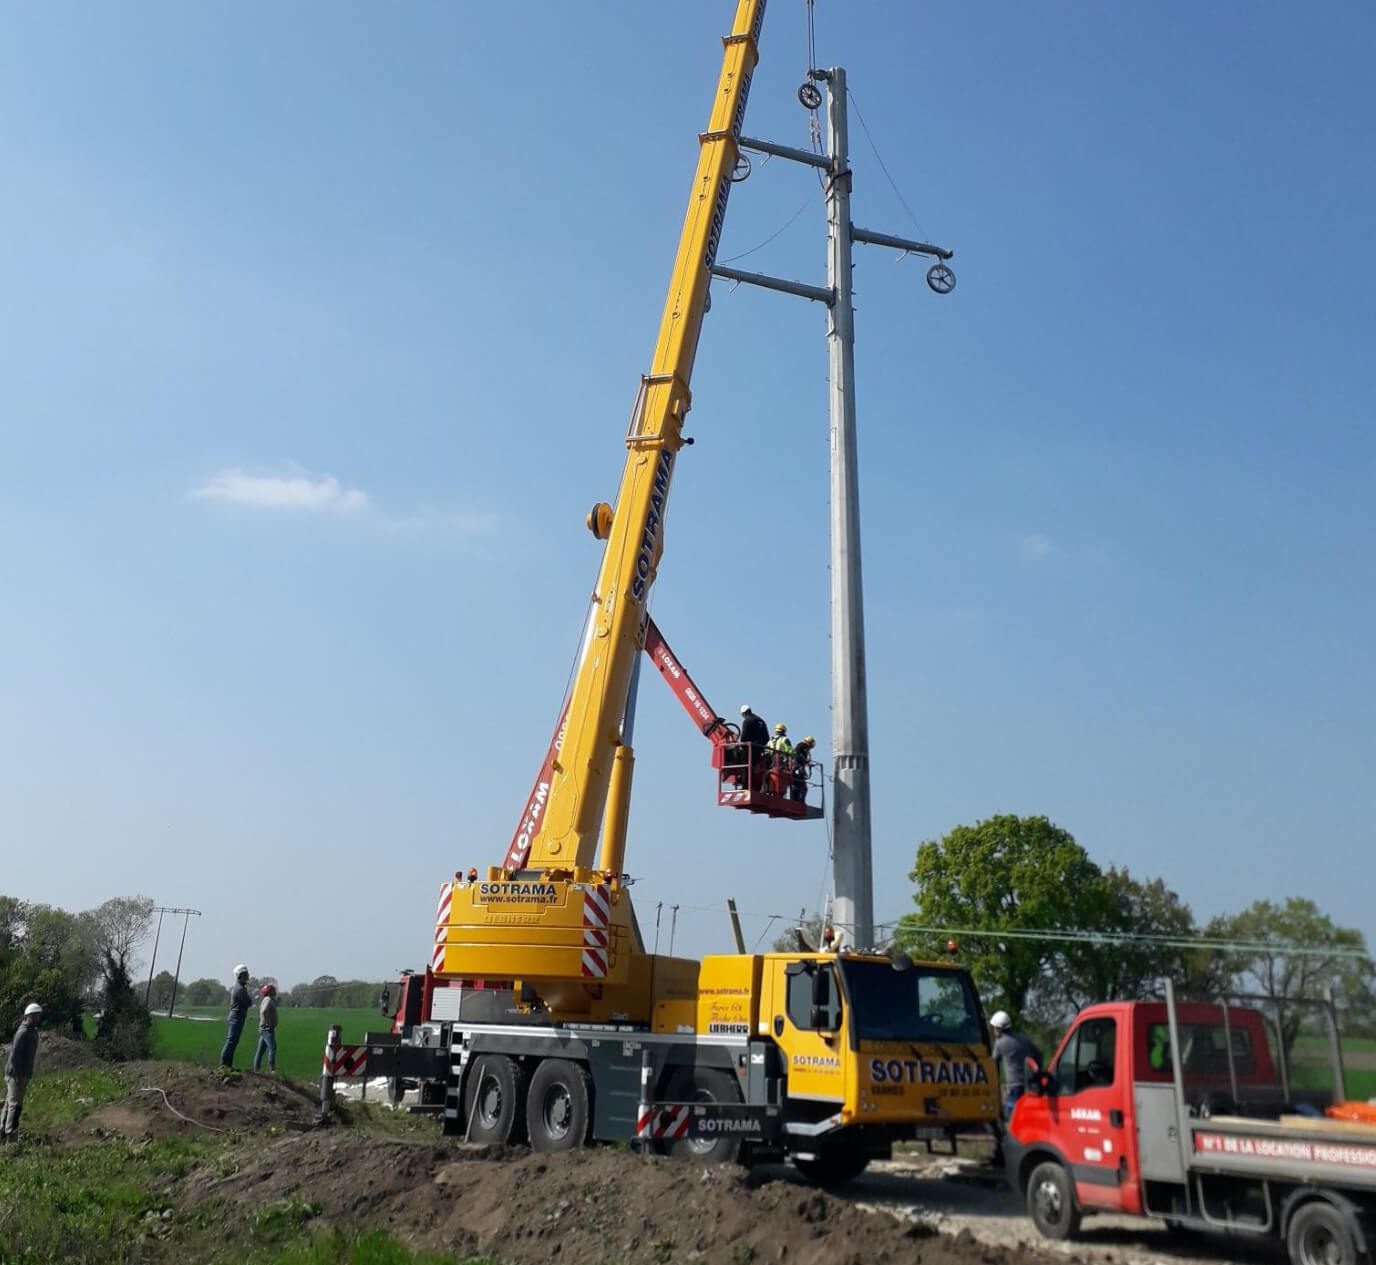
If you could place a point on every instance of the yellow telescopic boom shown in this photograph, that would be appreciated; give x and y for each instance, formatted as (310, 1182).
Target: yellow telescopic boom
(592, 773)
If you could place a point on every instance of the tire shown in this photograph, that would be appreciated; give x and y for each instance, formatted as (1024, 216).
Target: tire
(1051, 1201)
(494, 1105)
(703, 1084)
(834, 1166)
(557, 1107)
(1320, 1234)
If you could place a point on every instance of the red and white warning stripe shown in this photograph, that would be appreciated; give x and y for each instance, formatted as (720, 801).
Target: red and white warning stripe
(597, 916)
(662, 1122)
(345, 1060)
(442, 912)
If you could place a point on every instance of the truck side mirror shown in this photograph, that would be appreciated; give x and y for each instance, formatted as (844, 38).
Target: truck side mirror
(1042, 1084)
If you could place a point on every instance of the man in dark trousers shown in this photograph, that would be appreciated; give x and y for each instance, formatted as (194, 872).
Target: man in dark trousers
(239, 1002)
(755, 733)
(1013, 1049)
(19, 1070)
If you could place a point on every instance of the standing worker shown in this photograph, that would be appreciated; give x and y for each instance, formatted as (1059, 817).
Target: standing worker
(1014, 1049)
(238, 1014)
(267, 1029)
(802, 766)
(781, 760)
(19, 1070)
(755, 736)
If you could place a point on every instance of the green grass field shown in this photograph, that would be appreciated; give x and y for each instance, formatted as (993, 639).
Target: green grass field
(300, 1036)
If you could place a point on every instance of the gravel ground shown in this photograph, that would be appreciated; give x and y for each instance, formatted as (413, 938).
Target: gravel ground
(953, 1195)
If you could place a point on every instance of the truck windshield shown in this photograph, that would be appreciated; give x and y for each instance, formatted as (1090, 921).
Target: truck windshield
(922, 1003)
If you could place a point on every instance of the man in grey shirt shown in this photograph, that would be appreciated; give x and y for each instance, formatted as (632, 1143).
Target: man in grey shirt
(19, 1070)
(1013, 1049)
(239, 1003)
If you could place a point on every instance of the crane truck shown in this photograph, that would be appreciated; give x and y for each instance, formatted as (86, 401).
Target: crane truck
(541, 1016)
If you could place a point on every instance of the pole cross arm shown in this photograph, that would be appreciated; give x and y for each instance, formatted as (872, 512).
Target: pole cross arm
(818, 294)
(899, 243)
(785, 151)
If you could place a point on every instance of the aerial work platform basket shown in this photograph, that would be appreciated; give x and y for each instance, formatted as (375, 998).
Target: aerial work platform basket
(767, 782)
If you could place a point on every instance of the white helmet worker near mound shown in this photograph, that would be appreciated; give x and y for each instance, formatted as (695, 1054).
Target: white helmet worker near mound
(33, 1008)
(1000, 1021)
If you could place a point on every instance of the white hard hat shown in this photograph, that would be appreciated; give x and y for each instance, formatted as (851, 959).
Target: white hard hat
(239, 970)
(745, 707)
(1000, 1019)
(33, 1008)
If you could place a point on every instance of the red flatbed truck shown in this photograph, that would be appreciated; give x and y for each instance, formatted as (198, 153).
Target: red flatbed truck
(1216, 1140)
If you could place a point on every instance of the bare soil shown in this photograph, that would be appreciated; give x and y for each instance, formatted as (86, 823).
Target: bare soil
(600, 1206)
(167, 1099)
(590, 1207)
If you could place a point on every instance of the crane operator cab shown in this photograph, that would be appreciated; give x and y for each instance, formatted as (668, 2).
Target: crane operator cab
(764, 774)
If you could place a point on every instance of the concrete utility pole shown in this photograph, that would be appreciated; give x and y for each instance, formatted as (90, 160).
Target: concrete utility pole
(852, 867)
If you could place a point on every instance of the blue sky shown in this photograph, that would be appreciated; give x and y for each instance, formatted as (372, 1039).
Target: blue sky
(322, 328)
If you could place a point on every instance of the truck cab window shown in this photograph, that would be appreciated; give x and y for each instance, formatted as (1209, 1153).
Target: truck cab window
(1087, 1062)
(813, 995)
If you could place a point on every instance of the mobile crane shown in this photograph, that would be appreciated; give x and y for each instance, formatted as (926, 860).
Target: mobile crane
(542, 1016)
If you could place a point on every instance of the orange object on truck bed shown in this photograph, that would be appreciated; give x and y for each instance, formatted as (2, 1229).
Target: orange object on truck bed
(1186, 1112)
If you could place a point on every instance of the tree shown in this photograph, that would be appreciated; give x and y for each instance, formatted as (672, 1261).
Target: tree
(1283, 977)
(205, 992)
(160, 992)
(1007, 874)
(118, 927)
(787, 941)
(1105, 970)
(122, 1031)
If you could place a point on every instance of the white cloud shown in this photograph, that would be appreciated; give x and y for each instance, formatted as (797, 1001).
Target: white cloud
(298, 490)
(1036, 548)
(294, 491)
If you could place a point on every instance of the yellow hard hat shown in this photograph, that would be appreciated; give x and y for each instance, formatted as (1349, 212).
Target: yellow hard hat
(780, 729)
(810, 740)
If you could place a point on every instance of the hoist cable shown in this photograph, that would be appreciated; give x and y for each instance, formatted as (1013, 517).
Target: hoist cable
(883, 166)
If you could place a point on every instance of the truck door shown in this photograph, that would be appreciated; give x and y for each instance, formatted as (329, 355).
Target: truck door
(1089, 1115)
(807, 1022)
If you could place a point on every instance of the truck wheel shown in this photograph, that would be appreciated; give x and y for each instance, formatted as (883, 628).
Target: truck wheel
(834, 1165)
(703, 1084)
(557, 1106)
(1051, 1201)
(1319, 1234)
(495, 1109)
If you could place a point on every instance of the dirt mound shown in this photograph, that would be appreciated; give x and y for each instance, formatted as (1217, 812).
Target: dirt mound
(60, 1054)
(172, 1098)
(581, 1208)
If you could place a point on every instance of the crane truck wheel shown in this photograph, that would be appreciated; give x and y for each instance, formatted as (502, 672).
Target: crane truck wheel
(703, 1084)
(557, 1111)
(833, 1165)
(494, 1106)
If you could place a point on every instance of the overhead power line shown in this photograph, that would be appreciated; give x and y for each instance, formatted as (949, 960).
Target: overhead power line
(1132, 938)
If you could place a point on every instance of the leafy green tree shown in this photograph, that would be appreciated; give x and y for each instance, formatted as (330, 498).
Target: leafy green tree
(160, 992)
(1284, 977)
(205, 992)
(1007, 874)
(122, 1031)
(1107, 970)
